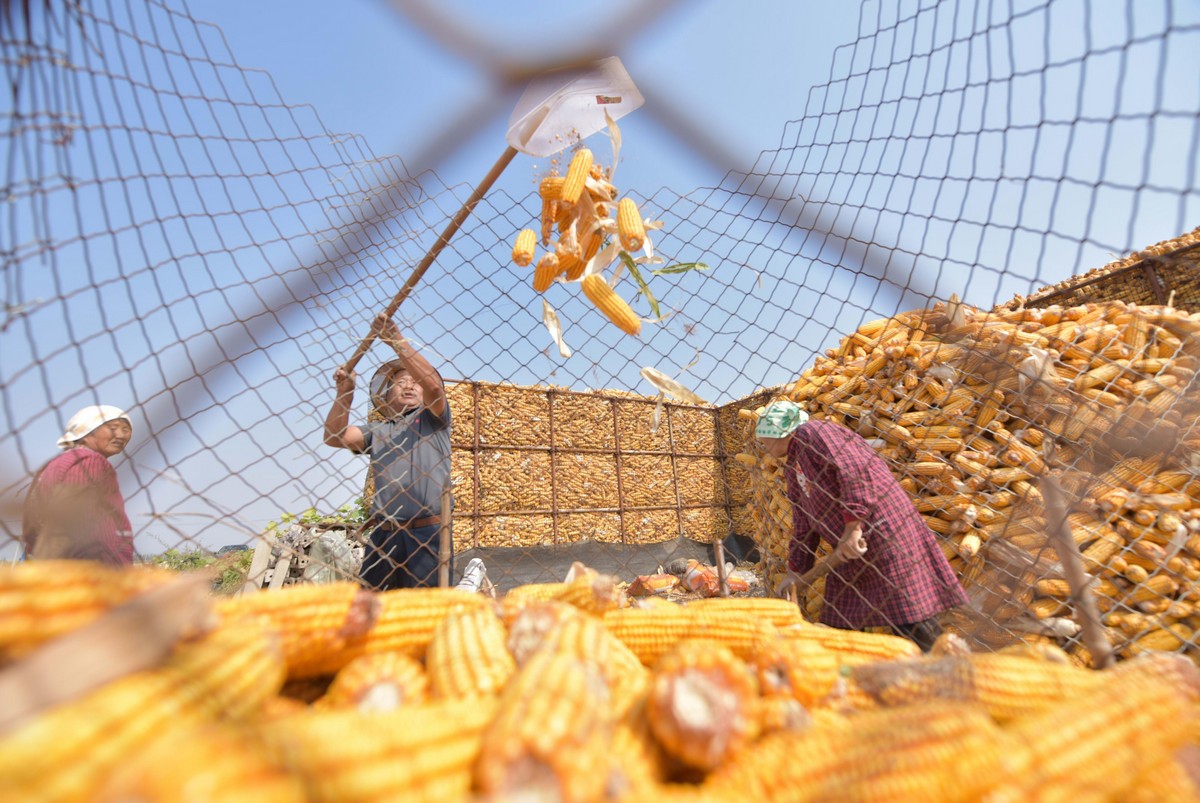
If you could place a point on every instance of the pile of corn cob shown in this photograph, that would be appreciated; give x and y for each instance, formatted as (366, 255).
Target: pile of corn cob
(972, 409)
(562, 692)
(600, 464)
(583, 206)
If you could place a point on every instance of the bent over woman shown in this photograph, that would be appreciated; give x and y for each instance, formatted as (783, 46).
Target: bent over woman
(890, 570)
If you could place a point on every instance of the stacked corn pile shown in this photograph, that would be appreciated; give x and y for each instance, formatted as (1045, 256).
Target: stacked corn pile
(971, 409)
(539, 465)
(739, 472)
(1165, 271)
(560, 692)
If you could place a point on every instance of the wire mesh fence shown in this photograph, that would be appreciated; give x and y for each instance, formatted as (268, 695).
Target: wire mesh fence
(183, 243)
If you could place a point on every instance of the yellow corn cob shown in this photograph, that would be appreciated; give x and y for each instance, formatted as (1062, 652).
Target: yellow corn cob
(43, 599)
(949, 643)
(935, 444)
(550, 216)
(423, 752)
(66, 751)
(1053, 588)
(637, 762)
(1101, 375)
(575, 268)
(987, 411)
(519, 597)
(1046, 608)
(523, 249)
(854, 645)
(550, 188)
(577, 173)
(802, 670)
(652, 632)
(1098, 555)
(777, 612)
(231, 672)
(938, 431)
(1025, 455)
(1133, 471)
(570, 264)
(406, 622)
(529, 625)
(969, 546)
(313, 621)
(209, 763)
(1012, 686)
(874, 366)
(1155, 588)
(1163, 781)
(949, 764)
(939, 751)
(1136, 575)
(280, 707)
(548, 267)
(1038, 648)
(780, 712)
(702, 705)
(383, 681)
(1169, 638)
(1149, 387)
(612, 305)
(467, 656)
(630, 228)
(593, 593)
(550, 732)
(1139, 714)
(56, 755)
(324, 627)
(914, 681)
(585, 637)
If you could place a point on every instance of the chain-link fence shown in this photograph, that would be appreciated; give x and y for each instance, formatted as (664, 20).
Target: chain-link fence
(182, 243)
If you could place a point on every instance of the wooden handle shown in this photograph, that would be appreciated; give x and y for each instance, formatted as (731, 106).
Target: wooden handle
(442, 241)
(1078, 579)
(445, 545)
(822, 568)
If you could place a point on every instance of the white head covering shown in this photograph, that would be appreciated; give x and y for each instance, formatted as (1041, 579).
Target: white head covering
(779, 419)
(87, 419)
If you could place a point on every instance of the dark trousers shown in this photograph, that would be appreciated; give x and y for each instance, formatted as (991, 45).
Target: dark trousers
(924, 633)
(401, 558)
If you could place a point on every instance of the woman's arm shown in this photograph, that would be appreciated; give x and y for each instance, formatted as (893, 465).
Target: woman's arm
(802, 549)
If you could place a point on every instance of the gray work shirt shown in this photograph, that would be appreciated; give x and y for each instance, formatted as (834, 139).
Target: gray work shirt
(410, 460)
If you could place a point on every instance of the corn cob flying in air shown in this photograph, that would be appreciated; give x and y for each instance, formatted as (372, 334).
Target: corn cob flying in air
(611, 304)
(523, 248)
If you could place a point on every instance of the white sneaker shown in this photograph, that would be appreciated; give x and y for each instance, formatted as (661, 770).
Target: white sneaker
(474, 577)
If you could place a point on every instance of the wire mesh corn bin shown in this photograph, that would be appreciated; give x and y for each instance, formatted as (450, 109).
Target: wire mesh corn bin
(871, 472)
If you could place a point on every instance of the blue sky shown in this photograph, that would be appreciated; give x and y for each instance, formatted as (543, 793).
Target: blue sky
(185, 253)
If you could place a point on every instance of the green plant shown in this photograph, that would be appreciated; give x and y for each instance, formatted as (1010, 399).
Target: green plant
(232, 574)
(184, 560)
(354, 512)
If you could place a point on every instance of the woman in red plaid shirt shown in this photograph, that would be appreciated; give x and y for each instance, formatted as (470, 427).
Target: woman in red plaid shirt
(74, 510)
(891, 571)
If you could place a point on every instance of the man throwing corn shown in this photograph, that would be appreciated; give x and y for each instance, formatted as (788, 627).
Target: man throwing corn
(410, 462)
(889, 570)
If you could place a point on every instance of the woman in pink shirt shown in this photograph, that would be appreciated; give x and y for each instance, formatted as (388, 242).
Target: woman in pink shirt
(74, 509)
